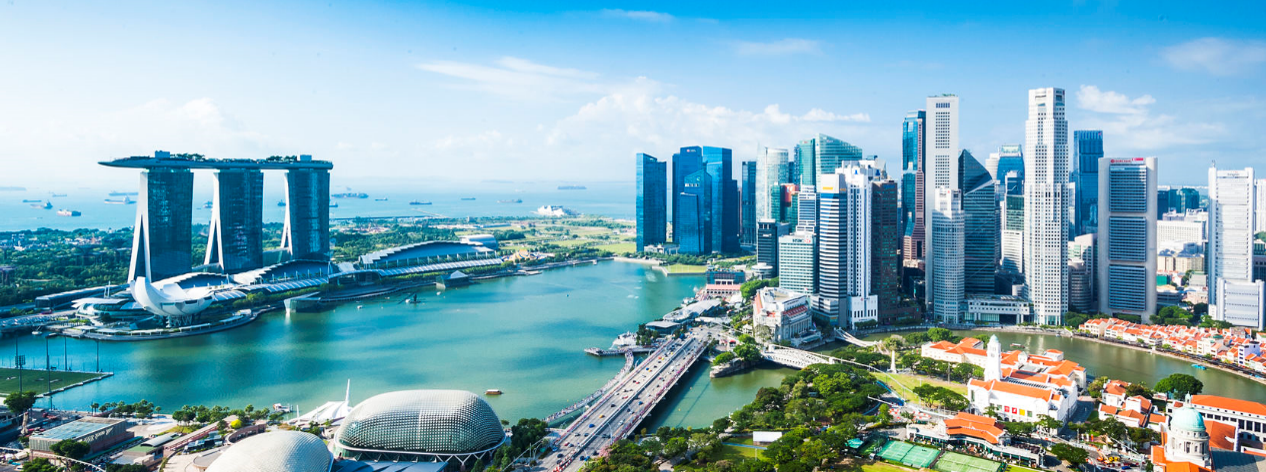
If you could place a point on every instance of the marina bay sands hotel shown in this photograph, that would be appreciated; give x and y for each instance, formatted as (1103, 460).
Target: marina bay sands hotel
(162, 237)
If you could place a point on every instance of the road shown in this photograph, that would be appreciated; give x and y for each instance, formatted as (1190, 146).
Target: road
(615, 415)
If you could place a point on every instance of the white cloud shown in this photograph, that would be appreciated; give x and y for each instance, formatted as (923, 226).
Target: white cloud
(1131, 126)
(1217, 56)
(640, 15)
(778, 48)
(518, 79)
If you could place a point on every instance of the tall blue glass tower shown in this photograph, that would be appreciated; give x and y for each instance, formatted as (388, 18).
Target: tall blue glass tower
(724, 231)
(652, 203)
(747, 200)
(912, 169)
(685, 162)
(1088, 145)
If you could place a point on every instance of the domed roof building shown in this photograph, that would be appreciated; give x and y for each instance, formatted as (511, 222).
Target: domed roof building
(277, 451)
(420, 425)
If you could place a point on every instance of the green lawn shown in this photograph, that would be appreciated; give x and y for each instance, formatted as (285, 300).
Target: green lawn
(38, 380)
(1016, 468)
(687, 269)
(618, 248)
(885, 467)
(908, 381)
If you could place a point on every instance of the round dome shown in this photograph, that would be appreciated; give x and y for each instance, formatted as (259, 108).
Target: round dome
(422, 421)
(1186, 419)
(277, 451)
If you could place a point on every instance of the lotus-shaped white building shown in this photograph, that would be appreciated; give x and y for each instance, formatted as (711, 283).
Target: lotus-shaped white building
(171, 301)
(420, 425)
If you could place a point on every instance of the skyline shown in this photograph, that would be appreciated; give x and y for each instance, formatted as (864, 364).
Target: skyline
(567, 92)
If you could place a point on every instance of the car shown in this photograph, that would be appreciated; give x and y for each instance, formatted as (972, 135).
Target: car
(590, 425)
(560, 456)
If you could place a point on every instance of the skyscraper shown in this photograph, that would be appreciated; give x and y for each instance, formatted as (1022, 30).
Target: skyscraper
(807, 210)
(695, 214)
(941, 171)
(685, 162)
(1046, 205)
(771, 173)
(806, 162)
(652, 201)
(980, 225)
(748, 200)
(725, 205)
(1009, 170)
(797, 262)
(1082, 268)
(162, 237)
(1087, 148)
(885, 246)
(912, 183)
(1127, 239)
(1013, 234)
(235, 238)
(830, 154)
(767, 234)
(844, 252)
(947, 249)
(1234, 297)
(1261, 206)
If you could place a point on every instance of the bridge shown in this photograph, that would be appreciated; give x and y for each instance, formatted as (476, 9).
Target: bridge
(593, 351)
(626, 404)
(847, 336)
(628, 367)
(799, 359)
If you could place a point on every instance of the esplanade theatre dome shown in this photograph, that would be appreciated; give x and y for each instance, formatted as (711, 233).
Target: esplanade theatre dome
(425, 424)
(277, 451)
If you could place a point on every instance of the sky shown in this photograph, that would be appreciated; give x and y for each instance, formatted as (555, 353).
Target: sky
(439, 93)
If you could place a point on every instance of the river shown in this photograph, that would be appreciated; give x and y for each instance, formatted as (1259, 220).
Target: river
(1127, 364)
(523, 335)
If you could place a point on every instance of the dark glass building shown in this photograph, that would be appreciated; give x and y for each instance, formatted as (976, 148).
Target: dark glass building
(163, 236)
(1089, 148)
(748, 202)
(724, 231)
(236, 236)
(913, 158)
(695, 214)
(307, 230)
(980, 225)
(685, 162)
(885, 247)
(767, 234)
(652, 201)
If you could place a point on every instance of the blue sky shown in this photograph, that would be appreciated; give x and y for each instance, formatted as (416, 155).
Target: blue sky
(406, 93)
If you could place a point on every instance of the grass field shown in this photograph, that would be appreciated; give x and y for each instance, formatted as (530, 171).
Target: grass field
(618, 248)
(955, 462)
(38, 380)
(885, 467)
(687, 269)
(908, 382)
(1016, 468)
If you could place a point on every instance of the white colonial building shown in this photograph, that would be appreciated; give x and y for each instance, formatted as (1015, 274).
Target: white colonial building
(785, 313)
(1028, 389)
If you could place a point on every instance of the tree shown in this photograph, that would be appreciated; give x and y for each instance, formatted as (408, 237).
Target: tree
(40, 465)
(1070, 454)
(19, 403)
(675, 447)
(723, 358)
(1050, 424)
(748, 352)
(71, 448)
(940, 334)
(1180, 385)
(1020, 428)
(917, 338)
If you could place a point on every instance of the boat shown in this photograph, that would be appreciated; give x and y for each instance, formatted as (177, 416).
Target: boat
(351, 195)
(512, 200)
(208, 205)
(416, 202)
(281, 203)
(628, 339)
(129, 201)
(68, 213)
(493, 391)
(1017, 345)
(468, 198)
(123, 194)
(42, 206)
(31, 201)
(333, 204)
(1198, 366)
(571, 187)
(277, 407)
(380, 199)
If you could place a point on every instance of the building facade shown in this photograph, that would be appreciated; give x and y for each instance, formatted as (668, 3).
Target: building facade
(831, 154)
(163, 235)
(1233, 296)
(1012, 260)
(748, 203)
(797, 262)
(767, 234)
(686, 161)
(652, 201)
(980, 225)
(1127, 238)
(885, 247)
(941, 172)
(785, 313)
(306, 233)
(844, 251)
(1046, 205)
(947, 289)
(771, 173)
(912, 182)
(235, 238)
(1087, 150)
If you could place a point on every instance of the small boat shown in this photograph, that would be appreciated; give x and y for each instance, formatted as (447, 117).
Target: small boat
(380, 199)
(123, 194)
(468, 198)
(281, 203)
(68, 213)
(416, 202)
(31, 201)
(36, 333)
(513, 200)
(571, 187)
(1198, 366)
(129, 201)
(1017, 345)
(42, 206)
(333, 204)
(493, 391)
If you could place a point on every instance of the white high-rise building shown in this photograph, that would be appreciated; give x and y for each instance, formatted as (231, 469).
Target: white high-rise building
(844, 295)
(1046, 205)
(1126, 266)
(771, 172)
(807, 209)
(1233, 296)
(1261, 206)
(1013, 234)
(947, 248)
(940, 140)
(797, 262)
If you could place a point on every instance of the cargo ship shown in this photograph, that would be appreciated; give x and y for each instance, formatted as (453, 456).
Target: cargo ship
(416, 202)
(68, 213)
(123, 194)
(281, 203)
(512, 200)
(351, 195)
(43, 206)
(31, 201)
(468, 198)
(572, 187)
(129, 201)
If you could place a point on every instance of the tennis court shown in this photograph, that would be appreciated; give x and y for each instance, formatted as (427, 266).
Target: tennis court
(909, 454)
(955, 462)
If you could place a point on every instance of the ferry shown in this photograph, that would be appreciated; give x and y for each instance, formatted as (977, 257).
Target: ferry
(68, 213)
(205, 205)
(416, 202)
(1198, 366)
(129, 201)
(493, 391)
(513, 200)
(468, 198)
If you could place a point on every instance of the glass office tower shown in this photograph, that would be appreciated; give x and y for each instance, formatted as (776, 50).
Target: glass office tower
(236, 236)
(1088, 148)
(163, 235)
(652, 204)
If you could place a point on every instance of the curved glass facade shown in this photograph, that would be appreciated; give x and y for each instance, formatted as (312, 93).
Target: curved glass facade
(422, 422)
(278, 451)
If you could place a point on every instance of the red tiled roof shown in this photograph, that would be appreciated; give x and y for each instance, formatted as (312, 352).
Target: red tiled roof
(1233, 404)
(1220, 435)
